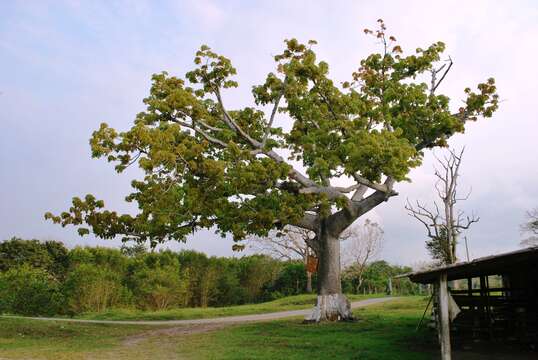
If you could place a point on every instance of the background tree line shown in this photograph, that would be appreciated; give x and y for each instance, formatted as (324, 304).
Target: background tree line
(46, 278)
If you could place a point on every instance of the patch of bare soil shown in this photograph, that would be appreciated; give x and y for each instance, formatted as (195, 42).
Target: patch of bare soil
(173, 331)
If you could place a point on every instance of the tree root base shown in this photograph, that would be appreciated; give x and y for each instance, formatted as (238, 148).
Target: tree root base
(333, 307)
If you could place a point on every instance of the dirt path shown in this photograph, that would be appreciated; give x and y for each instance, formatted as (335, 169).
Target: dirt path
(219, 320)
(172, 331)
(187, 327)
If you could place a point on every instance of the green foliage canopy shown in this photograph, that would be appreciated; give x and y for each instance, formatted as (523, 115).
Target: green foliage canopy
(48, 255)
(209, 167)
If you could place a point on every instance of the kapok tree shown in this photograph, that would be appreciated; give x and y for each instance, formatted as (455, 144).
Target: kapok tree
(236, 171)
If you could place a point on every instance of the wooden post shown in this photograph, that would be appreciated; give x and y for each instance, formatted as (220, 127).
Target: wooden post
(444, 320)
(389, 287)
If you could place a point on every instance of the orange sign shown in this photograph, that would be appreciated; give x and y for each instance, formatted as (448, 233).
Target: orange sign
(311, 264)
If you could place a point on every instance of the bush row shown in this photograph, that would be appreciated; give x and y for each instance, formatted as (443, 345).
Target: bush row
(45, 278)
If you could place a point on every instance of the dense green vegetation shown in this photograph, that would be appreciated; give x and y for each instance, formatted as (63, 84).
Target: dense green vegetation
(45, 278)
(375, 277)
(384, 331)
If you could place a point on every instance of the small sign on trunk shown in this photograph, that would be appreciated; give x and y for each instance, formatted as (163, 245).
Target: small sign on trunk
(311, 264)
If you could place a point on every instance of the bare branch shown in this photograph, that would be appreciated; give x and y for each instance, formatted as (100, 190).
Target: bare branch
(450, 63)
(209, 127)
(469, 220)
(342, 219)
(308, 222)
(371, 185)
(359, 193)
(425, 217)
(294, 174)
(273, 113)
(336, 191)
(201, 132)
(232, 124)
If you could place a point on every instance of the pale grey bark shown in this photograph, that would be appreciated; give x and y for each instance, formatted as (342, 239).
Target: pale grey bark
(342, 219)
(329, 263)
(330, 307)
(331, 303)
(308, 282)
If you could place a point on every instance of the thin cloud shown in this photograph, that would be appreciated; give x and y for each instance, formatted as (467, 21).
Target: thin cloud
(73, 64)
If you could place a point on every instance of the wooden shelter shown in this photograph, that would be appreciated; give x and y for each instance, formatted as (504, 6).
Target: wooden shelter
(497, 296)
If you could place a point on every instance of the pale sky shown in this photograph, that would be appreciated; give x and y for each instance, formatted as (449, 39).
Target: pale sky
(67, 66)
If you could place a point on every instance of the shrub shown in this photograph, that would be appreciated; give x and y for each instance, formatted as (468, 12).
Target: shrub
(91, 288)
(194, 265)
(228, 290)
(29, 291)
(208, 284)
(159, 287)
(258, 272)
(291, 279)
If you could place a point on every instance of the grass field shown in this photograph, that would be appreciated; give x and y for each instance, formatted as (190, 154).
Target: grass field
(384, 331)
(288, 303)
(27, 339)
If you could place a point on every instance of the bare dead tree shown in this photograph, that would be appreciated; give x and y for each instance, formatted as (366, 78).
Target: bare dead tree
(443, 222)
(530, 227)
(362, 244)
(290, 244)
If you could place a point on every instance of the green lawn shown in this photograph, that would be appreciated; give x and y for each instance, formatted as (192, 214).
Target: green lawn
(288, 303)
(34, 339)
(384, 331)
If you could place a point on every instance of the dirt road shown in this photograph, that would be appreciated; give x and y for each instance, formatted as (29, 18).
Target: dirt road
(220, 320)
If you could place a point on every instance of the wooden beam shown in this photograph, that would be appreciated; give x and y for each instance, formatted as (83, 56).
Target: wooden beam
(444, 319)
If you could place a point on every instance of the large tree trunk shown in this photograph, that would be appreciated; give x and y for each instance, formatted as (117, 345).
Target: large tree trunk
(331, 303)
(308, 282)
